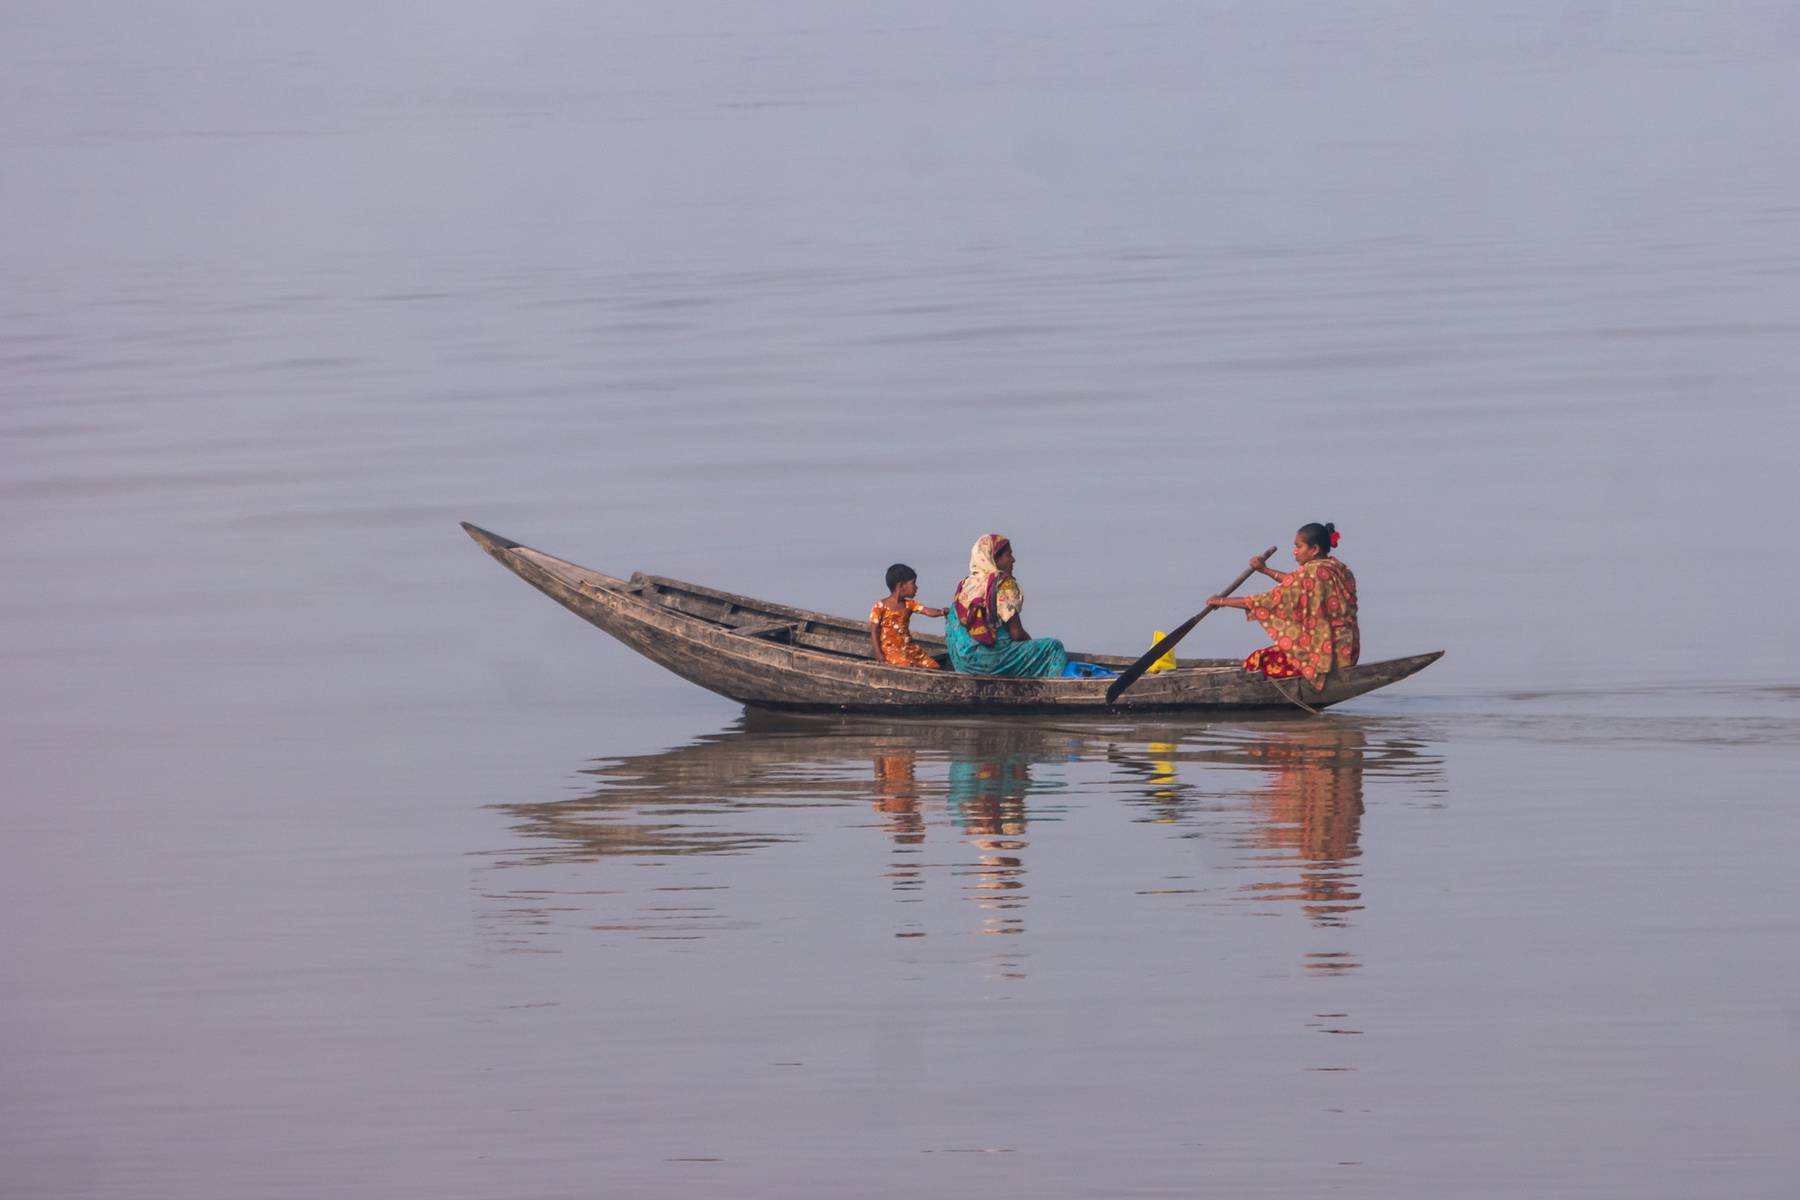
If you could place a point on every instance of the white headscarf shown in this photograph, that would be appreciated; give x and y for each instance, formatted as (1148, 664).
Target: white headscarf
(982, 568)
(982, 572)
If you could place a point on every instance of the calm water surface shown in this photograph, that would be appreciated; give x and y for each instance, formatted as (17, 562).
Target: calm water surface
(336, 862)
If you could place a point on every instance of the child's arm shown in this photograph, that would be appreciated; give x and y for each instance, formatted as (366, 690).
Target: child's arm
(875, 640)
(933, 612)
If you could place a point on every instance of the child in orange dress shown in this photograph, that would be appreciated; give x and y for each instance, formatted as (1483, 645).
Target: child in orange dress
(889, 635)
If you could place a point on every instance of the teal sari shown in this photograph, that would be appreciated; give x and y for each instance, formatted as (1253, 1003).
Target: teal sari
(1039, 656)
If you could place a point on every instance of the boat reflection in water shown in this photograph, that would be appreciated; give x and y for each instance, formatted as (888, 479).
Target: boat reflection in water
(957, 800)
(1304, 798)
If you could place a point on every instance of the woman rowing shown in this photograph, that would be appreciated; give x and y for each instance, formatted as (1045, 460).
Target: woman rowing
(983, 632)
(1311, 612)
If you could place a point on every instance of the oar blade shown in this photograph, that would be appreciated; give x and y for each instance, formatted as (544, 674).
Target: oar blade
(1131, 674)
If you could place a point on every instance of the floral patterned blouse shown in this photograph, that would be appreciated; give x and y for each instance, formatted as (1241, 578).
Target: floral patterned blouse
(1312, 617)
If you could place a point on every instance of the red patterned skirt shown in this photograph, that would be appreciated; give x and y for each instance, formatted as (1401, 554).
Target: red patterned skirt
(1273, 662)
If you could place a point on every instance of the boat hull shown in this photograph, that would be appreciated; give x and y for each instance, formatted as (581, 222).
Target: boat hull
(786, 659)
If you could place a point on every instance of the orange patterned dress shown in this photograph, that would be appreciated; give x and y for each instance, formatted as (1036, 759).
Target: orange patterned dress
(893, 632)
(1312, 617)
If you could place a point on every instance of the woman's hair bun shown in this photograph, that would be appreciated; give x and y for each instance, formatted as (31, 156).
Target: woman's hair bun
(1320, 537)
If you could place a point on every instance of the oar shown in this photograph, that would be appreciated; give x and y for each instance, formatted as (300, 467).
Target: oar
(1162, 647)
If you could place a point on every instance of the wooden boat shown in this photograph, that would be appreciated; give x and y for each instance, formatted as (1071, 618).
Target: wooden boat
(775, 657)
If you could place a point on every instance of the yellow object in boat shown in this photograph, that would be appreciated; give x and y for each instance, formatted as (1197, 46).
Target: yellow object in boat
(1166, 662)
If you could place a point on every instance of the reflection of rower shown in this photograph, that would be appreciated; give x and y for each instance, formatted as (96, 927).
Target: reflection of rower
(1311, 810)
(1307, 803)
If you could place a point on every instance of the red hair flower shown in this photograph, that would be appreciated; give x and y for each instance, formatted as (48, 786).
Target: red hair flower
(1334, 539)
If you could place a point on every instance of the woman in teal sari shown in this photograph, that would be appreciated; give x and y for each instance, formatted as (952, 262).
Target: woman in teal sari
(984, 633)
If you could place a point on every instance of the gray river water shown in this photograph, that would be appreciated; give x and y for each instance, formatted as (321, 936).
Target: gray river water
(338, 862)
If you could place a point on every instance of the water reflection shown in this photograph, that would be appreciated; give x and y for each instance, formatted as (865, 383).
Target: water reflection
(1311, 809)
(958, 804)
(1304, 793)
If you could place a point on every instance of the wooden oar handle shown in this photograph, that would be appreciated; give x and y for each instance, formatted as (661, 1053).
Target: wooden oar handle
(1237, 583)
